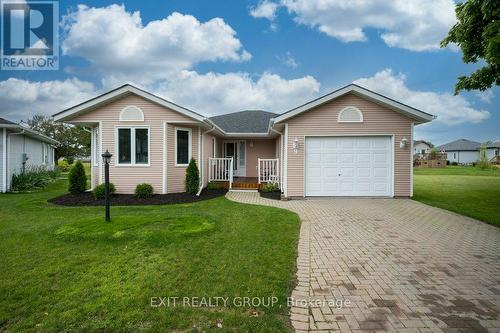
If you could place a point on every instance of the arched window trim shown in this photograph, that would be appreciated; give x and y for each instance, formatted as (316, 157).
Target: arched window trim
(350, 121)
(135, 108)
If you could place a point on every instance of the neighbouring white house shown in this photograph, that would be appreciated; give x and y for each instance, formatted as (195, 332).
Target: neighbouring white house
(350, 142)
(422, 148)
(463, 151)
(22, 147)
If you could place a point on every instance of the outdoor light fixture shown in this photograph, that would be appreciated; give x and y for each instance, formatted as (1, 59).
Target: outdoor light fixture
(106, 158)
(403, 143)
(295, 145)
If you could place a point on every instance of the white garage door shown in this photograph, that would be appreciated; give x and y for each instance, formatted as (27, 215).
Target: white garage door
(349, 166)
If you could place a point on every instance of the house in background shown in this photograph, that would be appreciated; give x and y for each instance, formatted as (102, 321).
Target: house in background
(493, 151)
(421, 148)
(351, 142)
(22, 147)
(461, 151)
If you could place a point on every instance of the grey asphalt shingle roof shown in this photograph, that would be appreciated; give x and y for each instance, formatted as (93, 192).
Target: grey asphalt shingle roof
(250, 121)
(6, 122)
(460, 144)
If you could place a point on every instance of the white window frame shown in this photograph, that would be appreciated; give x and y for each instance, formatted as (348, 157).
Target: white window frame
(350, 121)
(132, 147)
(190, 145)
(96, 146)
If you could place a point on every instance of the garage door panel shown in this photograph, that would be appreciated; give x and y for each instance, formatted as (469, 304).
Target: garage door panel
(348, 166)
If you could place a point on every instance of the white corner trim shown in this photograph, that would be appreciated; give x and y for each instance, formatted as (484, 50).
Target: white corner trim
(393, 163)
(285, 160)
(101, 166)
(411, 159)
(164, 159)
(4, 160)
(348, 108)
(190, 145)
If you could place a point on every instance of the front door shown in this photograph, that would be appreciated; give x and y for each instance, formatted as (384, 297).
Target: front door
(237, 150)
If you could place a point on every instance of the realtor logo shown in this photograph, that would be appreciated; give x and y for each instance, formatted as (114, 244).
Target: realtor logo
(30, 39)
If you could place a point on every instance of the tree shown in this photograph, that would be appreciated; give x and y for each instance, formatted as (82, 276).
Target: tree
(192, 178)
(73, 140)
(77, 178)
(477, 33)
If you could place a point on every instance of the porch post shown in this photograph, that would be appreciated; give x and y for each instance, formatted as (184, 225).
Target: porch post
(258, 169)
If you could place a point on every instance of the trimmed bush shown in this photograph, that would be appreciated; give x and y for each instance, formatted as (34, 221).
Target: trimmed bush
(77, 178)
(144, 191)
(100, 190)
(63, 165)
(192, 178)
(33, 177)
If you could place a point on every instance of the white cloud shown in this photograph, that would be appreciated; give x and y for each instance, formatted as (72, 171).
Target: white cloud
(450, 109)
(417, 25)
(21, 99)
(485, 96)
(288, 60)
(117, 43)
(264, 9)
(214, 93)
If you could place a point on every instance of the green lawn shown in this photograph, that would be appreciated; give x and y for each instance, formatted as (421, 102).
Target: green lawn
(64, 269)
(466, 190)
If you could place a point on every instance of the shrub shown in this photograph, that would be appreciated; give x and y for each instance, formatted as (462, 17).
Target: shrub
(433, 155)
(33, 177)
(63, 165)
(70, 160)
(483, 162)
(143, 191)
(77, 178)
(100, 190)
(214, 186)
(454, 163)
(271, 187)
(192, 178)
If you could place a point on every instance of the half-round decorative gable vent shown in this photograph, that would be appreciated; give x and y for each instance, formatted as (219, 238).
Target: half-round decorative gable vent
(350, 114)
(131, 113)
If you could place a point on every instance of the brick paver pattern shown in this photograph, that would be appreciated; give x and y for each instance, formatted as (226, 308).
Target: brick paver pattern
(403, 266)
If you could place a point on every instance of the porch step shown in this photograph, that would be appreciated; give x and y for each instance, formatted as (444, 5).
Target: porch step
(249, 190)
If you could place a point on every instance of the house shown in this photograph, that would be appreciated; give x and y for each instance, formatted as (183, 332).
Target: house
(422, 148)
(493, 151)
(351, 142)
(22, 147)
(461, 151)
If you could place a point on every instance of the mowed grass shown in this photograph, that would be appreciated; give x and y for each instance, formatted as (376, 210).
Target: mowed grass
(467, 190)
(65, 269)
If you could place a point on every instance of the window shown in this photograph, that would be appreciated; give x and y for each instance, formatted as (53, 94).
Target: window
(242, 153)
(454, 155)
(182, 146)
(350, 114)
(213, 148)
(96, 146)
(131, 113)
(422, 151)
(133, 146)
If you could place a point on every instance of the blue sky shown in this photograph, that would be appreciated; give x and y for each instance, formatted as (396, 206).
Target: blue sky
(224, 56)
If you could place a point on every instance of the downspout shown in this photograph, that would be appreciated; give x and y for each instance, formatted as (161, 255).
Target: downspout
(200, 148)
(4, 160)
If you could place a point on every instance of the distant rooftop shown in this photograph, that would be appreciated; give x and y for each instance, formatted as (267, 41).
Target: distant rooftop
(460, 144)
(6, 122)
(249, 121)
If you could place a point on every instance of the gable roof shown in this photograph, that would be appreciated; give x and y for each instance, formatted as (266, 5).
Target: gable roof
(460, 145)
(416, 142)
(12, 126)
(418, 115)
(249, 121)
(119, 92)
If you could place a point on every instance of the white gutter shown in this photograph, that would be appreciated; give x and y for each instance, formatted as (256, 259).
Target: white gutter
(200, 147)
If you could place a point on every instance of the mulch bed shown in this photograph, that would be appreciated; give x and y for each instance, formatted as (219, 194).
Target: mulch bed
(271, 195)
(87, 199)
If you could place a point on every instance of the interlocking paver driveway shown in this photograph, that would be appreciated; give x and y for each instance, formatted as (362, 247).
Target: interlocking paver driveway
(404, 266)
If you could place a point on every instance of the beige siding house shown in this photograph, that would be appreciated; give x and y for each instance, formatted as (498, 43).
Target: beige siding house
(351, 142)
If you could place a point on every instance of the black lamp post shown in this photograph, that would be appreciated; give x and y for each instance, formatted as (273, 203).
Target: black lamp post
(106, 157)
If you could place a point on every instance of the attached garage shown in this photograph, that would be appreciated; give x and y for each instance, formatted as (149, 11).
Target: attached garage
(349, 166)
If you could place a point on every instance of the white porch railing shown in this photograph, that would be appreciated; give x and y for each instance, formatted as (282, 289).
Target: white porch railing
(220, 170)
(268, 170)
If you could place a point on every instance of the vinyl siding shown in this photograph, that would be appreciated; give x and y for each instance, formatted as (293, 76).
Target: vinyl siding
(207, 153)
(176, 175)
(126, 178)
(322, 121)
(262, 148)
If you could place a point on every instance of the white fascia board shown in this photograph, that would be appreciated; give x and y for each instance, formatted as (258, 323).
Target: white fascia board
(113, 94)
(352, 88)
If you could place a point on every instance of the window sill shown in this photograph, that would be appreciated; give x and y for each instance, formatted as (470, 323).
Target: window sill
(132, 165)
(181, 165)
